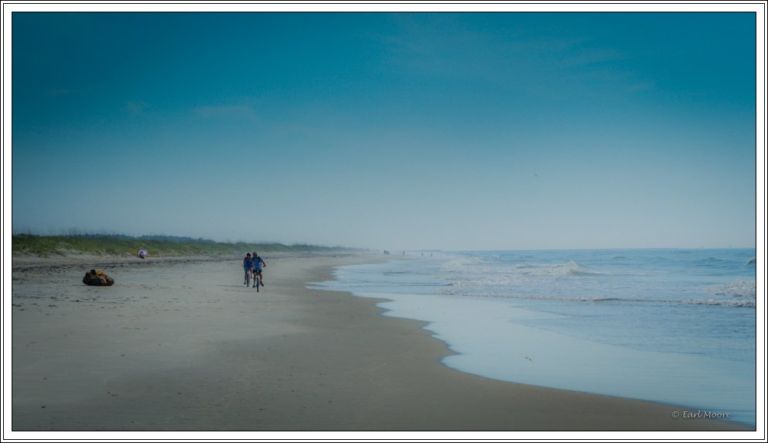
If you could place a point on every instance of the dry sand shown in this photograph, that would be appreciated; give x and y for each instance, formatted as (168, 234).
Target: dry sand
(183, 345)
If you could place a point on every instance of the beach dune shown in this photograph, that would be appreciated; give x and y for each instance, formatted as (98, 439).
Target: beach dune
(185, 346)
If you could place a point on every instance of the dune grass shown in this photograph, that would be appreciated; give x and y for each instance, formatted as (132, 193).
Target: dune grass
(157, 246)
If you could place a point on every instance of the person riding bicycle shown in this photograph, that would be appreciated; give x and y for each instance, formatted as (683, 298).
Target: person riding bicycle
(248, 268)
(257, 264)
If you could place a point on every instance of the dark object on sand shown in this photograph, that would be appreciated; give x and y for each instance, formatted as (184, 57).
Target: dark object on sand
(97, 278)
(142, 253)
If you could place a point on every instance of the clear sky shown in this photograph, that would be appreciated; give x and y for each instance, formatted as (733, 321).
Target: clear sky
(446, 131)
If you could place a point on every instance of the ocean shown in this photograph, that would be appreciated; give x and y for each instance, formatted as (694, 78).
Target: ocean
(675, 326)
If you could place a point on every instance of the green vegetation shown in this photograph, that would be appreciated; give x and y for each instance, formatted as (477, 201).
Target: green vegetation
(157, 246)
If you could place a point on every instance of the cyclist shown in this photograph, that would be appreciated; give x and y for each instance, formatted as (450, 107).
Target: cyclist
(257, 263)
(248, 268)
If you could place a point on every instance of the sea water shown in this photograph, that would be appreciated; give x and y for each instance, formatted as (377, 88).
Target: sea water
(675, 326)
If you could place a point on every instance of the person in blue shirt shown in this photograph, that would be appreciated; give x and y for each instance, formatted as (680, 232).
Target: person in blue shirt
(258, 263)
(248, 268)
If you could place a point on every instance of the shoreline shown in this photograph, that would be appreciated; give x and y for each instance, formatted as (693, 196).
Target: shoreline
(392, 307)
(188, 348)
(447, 351)
(533, 356)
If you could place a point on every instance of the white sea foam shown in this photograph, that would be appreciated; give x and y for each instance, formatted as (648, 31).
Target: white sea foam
(731, 303)
(740, 288)
(472, 272)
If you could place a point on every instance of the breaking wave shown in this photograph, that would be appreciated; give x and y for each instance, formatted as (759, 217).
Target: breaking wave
(741, 288)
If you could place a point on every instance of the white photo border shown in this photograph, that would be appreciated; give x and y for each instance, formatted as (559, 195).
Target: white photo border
(757, 7)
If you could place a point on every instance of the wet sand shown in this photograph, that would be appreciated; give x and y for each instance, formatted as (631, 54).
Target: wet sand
(183, 345)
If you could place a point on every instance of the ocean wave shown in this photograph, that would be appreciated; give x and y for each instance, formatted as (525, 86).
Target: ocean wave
(741, 288)
(568, 278)
(707, 302)
(711, 260)
(484, 266)
(377, 284)
(459, 263)
(597, 299)
(494, 277)
(728, 303)
(555, 270)
(457, 290)
(714, 262)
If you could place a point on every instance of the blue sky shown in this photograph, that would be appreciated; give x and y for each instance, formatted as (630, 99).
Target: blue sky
(448, 131)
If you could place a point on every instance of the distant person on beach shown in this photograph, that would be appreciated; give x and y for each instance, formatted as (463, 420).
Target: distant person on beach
(258, 263)
(248, 268)
(142, 253)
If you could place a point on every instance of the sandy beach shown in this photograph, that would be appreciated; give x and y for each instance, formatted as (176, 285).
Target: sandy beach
(183, 345)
